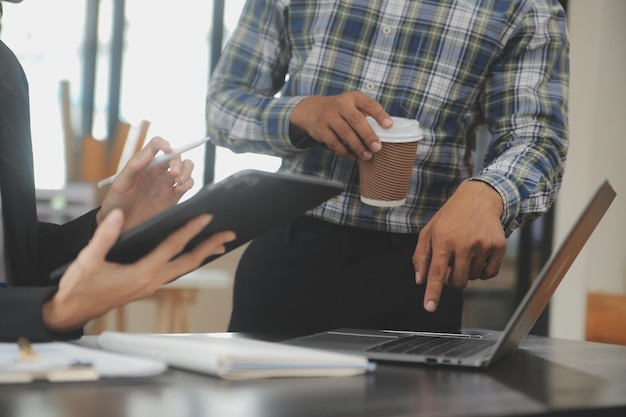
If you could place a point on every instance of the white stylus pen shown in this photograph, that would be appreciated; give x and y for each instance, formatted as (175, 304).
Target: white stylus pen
(157, 160)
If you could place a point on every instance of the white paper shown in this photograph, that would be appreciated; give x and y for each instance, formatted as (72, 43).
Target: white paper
(58, 354)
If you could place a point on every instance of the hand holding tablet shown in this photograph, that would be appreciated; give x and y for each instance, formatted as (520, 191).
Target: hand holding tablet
(248, 202)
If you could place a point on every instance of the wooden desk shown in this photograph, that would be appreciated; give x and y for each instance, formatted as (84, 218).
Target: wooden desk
(546, 377)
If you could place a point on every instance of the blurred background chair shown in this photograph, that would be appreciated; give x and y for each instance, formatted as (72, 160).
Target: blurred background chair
(606, 318)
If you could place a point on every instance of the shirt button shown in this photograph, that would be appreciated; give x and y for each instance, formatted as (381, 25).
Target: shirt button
(386, 30)
(370, 86)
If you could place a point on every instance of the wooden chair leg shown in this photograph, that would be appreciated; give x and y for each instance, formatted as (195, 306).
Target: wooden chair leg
(164, 307)
(179, 315)
(121, 319)
(172, 309)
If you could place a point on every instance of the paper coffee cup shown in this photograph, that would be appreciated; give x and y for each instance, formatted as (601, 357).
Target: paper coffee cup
(385, 178)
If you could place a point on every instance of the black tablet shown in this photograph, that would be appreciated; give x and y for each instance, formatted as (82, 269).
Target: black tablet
(248, 202)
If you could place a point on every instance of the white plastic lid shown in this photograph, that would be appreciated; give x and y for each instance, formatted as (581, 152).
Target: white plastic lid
(403, 130)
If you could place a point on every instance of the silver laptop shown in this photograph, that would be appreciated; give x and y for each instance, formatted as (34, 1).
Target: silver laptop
(476, 349)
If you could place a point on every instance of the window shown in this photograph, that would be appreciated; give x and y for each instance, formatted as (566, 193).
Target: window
(31, 30)
(165, 67)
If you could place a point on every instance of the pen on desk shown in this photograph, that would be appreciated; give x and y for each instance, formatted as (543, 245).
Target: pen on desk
(158, 160)
(52, 369)
(27, 354)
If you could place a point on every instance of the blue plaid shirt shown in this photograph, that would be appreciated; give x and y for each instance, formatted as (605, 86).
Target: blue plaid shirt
(449, 64)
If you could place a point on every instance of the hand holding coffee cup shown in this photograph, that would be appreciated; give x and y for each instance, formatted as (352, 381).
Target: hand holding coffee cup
(385, 178)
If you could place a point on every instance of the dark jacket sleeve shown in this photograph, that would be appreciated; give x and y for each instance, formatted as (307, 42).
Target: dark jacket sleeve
(32, 249)
(59, 245)
(21, 315)
(21, 306)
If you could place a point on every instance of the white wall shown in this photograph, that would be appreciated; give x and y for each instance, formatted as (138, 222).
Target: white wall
(597, 151)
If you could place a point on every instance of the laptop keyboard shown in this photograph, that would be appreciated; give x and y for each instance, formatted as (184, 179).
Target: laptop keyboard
(436, 346)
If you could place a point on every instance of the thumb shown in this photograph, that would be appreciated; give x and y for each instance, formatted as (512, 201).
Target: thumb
(94, 254)
(105, 236)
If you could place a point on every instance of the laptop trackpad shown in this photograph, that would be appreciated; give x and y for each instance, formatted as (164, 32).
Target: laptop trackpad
(348, 340)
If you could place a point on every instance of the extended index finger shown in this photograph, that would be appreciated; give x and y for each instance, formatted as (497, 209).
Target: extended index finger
(437, 277)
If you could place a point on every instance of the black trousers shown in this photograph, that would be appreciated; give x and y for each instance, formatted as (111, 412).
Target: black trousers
(310, 276)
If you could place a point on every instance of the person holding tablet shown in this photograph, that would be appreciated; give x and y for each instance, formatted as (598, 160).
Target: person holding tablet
(30, 306)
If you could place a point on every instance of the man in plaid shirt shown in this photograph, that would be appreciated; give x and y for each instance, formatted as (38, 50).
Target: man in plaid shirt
(297, 79)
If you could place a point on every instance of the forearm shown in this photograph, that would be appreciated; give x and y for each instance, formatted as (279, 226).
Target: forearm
(527, 175)
(244, 122)
(525, 106)
(243, 112)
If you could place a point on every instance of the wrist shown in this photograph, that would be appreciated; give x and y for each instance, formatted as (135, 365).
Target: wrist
(485, 193)
(298, 133)
(56, 315)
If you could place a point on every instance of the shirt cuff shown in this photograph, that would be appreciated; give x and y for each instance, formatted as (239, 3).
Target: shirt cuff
(510, 198)
(276, 125)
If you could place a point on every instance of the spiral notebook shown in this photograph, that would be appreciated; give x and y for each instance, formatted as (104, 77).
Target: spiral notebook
(229, 356)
